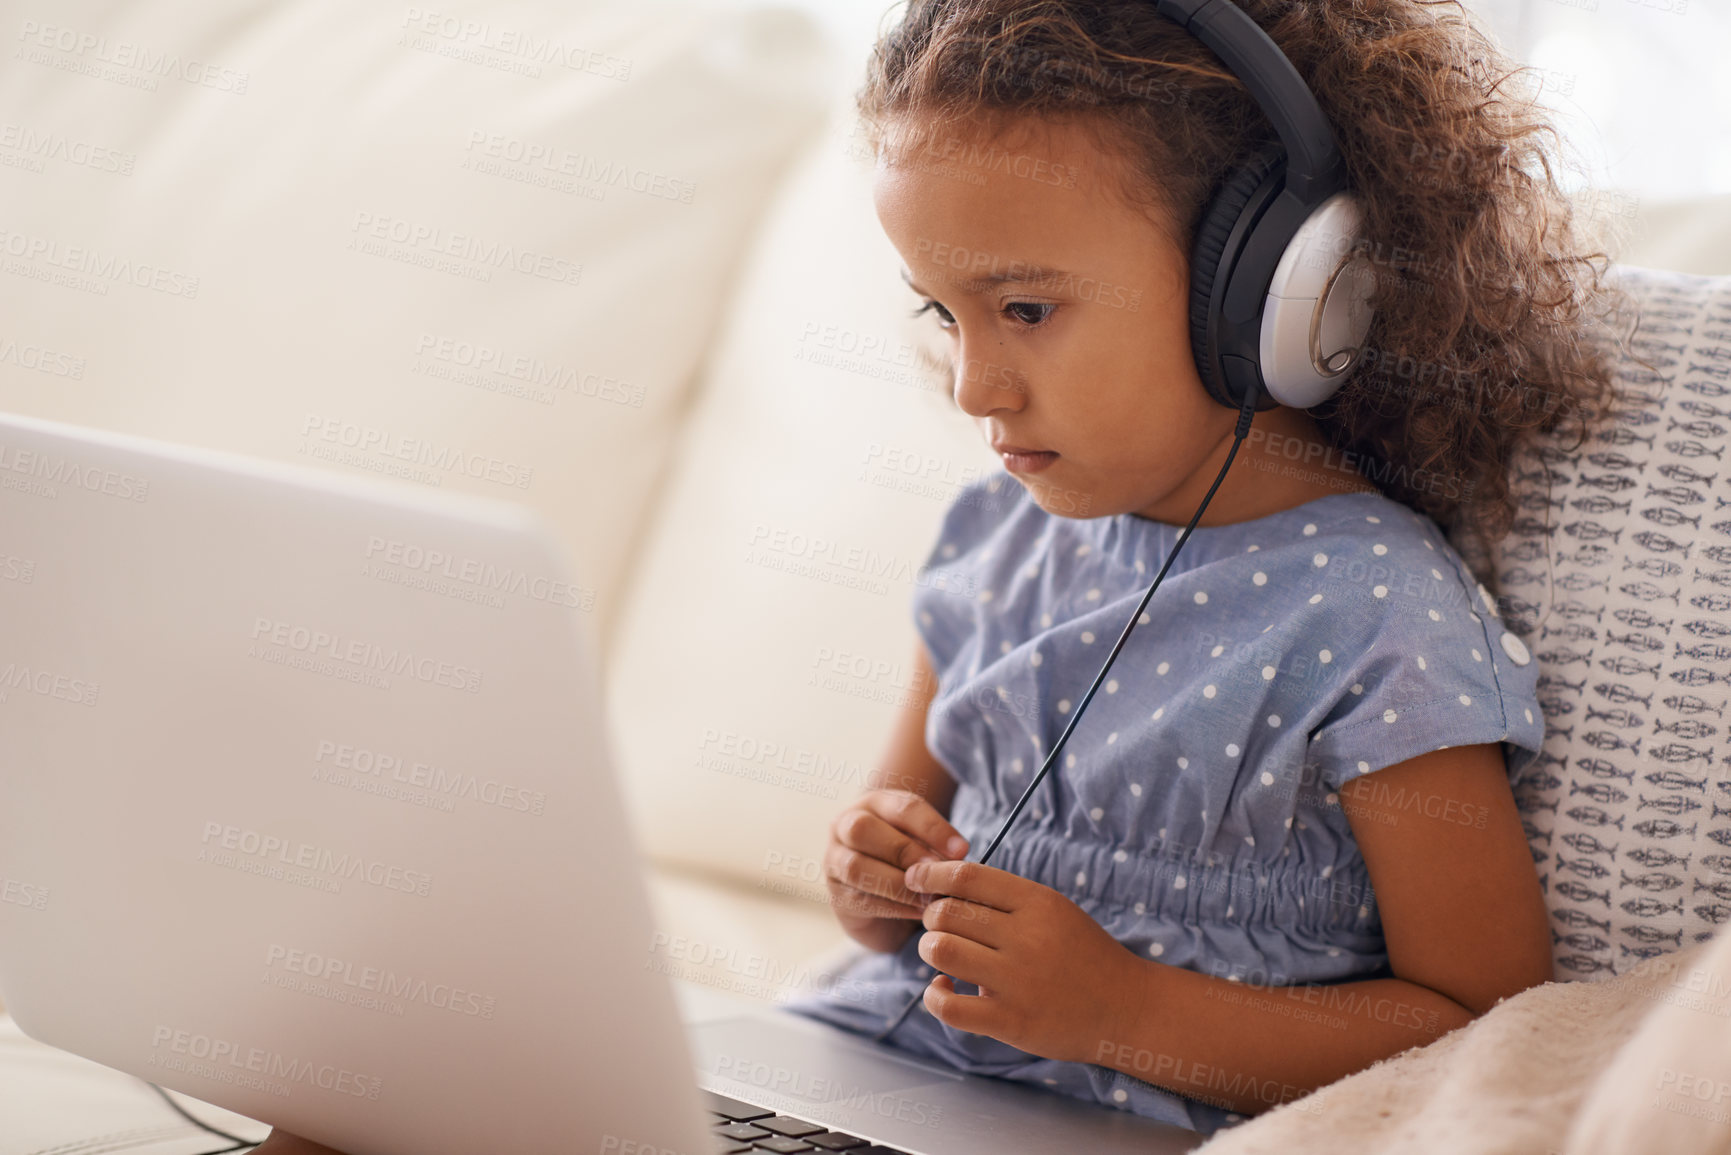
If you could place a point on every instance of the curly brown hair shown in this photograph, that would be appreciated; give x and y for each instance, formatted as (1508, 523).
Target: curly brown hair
(1490, 316)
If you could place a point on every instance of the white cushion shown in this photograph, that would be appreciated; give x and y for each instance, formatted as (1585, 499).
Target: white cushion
(769, 639)
(480, 245)
(1619, 580)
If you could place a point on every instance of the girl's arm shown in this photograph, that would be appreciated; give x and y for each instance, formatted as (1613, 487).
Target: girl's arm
(1465, 924)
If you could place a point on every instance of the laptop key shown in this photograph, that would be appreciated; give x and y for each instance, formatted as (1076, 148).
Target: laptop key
(734, 1109)
(783, 1144)
(877, 1149)
(742, 1131)
(731, 1147)
(791, 1127)
(836, 1141)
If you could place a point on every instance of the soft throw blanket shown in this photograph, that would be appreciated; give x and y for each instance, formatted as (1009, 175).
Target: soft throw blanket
(1639, 1064)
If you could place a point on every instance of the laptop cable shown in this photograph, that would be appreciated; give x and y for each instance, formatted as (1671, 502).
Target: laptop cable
(1246, 412)
(239, 1143)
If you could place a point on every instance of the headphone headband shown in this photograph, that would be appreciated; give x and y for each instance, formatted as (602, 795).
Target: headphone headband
(1314, 167)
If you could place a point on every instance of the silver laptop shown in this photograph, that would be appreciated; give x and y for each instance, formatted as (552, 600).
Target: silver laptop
(307, 811)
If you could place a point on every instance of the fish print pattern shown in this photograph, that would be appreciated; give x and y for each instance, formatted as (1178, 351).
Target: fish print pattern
(1617, 574)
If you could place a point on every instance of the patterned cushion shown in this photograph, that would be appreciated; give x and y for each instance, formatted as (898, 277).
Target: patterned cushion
(1619, 580)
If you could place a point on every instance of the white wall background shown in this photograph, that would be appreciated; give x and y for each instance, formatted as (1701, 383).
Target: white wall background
(1641, 88)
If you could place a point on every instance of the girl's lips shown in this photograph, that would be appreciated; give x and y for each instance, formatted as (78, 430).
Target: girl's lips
(1027, 462)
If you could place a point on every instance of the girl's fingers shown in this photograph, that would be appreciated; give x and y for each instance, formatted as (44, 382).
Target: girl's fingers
(960, 958)
(859, 871)
(915, 817)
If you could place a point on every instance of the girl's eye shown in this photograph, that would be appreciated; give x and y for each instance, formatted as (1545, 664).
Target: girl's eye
(944, 318)
(1037, 316)
(1029, 313)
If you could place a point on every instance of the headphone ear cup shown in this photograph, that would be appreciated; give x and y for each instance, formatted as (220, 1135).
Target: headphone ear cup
(1209, 246)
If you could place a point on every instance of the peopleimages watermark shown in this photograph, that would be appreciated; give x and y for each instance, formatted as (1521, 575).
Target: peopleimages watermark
(122, 61)
(360, 654)
(17, 892)
(326, 869)
(503, 47)
(45, 471)
(225, 1061)
(379, 981)
(61, 686)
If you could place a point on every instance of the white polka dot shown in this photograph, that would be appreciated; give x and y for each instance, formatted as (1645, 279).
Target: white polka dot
(1249, 841)
(1358, 687)
(1033, 570)
(1136, 789)
(1310, 529)
(1389, 715)
(1139, 566)
(985, 595)
(1268, 627)
(1379, 549)
(1183, 764)
(1003, 693)
(1529, 714)
(1087, 637)
(1046, 621)
(1112, 737)
(1327, 870)
(1434, 616)
(1070, 760)
(1232, 749)
(1052, 1082)
(1437, 574)
(1004, 646)
(925, 618)
(1120, 1094)
(1201, 597)
(1373, 520)
(1156, 949)
(1082, 550)
(1162, 668)
(949, 549)
(1063, 705)
(1120, 856)
(1097, 813)
(1111, 685)
(1216, 651)
(1319, 560)
(1326, 657)
(1140, 908)
(1478, 657)
(1333, 952)
(1093, 595)
(1143, 620)
(1421, 664)
(1380, 591)
(1332, 799)
(1209, 691)
(1428, 545)
(1268, 673)
(1179, 883)
(1267, 778)
(1159, 710)
(1515, 649)
(1081, 878)
(1364, 767)
(1015, 765)
(1274, 719)
(1260, 578)
(1314, 598)
(1251, 548)
(1035, 658)
(1466, 700)
(1287, 822)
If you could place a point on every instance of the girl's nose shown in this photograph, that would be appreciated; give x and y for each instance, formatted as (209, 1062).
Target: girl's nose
(984, 386)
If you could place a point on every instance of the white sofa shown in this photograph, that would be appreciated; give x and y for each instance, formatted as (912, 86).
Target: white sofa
(615, 261)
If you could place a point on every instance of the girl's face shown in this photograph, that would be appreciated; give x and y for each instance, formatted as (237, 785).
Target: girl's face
(1067, 314)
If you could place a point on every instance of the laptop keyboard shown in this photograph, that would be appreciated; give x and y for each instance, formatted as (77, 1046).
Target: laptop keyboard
(741, 1127)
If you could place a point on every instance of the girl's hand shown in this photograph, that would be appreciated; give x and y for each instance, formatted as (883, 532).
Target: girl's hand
(1052, 981)
(871, 843)
(282, 1143)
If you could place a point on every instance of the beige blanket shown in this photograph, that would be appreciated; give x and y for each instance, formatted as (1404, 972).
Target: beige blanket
(1635, 1065)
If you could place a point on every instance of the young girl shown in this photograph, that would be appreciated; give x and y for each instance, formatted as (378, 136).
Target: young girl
(1281, 844)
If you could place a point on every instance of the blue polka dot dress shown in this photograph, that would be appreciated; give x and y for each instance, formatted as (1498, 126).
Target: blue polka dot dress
(1195, 811)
